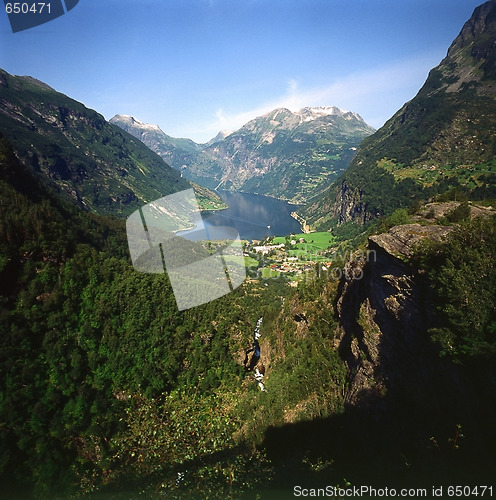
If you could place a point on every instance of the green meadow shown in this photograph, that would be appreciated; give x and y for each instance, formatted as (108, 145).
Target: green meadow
(314, 241)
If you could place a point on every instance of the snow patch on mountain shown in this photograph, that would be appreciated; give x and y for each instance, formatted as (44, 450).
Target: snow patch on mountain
(310, 114)
(131, 120)
(219, 137)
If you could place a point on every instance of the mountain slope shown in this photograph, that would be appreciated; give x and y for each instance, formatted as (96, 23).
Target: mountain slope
(78, 325)
(73, 148)
(176, 152)
(442, 139)
(283, 154)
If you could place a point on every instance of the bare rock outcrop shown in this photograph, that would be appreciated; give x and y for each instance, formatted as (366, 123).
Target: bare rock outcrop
(385, 313)
(400, 241)
(349, 205)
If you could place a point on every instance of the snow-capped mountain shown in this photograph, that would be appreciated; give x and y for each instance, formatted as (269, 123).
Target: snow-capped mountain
(131, 121)
(310, 114)
(176, 152)
(285, 154)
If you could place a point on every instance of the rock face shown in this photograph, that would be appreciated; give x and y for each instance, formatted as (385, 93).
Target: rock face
(400, 241)
(475, 40)
(385, 312)
(287, 155)
(443, 138)
(349, 205)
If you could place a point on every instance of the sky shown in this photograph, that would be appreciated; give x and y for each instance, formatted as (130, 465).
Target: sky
(195, 67)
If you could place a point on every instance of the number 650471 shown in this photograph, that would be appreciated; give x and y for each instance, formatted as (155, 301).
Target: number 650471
(25, 8)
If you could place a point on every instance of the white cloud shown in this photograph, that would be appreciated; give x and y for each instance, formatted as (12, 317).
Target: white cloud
(375, 94)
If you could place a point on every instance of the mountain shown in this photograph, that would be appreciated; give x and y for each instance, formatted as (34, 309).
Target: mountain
(442, 141)
(288, 155)
(176, 152)
(219, 137)
(75, 150)
(283, 154)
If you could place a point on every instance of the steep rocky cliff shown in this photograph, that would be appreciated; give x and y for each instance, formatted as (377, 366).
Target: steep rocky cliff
(384, 313)
(349, 205)
(386, 309)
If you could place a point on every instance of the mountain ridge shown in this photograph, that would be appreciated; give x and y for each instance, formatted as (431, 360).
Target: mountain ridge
(75, 151)
(284, 154)
(442, 140)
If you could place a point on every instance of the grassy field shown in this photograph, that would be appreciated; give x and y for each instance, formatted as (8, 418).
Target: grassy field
(314, 241)
(307, 255)
(267, 272)
(429, 173)
(250, 262)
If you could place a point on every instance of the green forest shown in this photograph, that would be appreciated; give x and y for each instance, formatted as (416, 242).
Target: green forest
(360, 353)
(108, 391)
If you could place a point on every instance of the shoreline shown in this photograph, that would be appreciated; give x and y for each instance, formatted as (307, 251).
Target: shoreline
(303, 223)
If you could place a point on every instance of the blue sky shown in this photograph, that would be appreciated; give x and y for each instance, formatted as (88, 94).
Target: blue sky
(195, 67)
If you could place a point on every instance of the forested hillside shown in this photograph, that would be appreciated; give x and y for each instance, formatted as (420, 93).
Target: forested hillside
(95, 355)
(76, 151)
(442, 142)
(108, 391)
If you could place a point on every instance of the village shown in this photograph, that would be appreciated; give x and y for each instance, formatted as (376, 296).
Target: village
(296, 256)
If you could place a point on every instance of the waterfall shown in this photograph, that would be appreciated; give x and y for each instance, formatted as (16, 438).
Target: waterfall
(256, 373)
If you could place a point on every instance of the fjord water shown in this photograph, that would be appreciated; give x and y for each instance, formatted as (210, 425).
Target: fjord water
(250, 214)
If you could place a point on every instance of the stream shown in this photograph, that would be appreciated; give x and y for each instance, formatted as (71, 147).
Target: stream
(255, 357)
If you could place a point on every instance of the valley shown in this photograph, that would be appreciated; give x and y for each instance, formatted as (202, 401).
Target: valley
(359, 350)
(288, 155)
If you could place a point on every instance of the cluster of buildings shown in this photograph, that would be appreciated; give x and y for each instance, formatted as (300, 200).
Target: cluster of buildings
(280, 262)
(265, 249)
